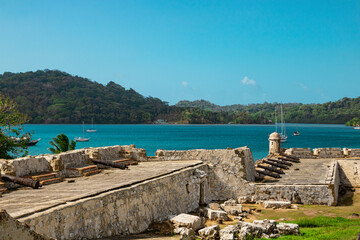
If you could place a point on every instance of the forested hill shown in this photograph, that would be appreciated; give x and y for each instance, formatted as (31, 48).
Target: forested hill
(339, 111)
(58, 97)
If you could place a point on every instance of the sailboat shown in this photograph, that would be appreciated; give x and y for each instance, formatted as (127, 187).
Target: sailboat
(82, 139)
(296, 133)
(91, 130)
(283, 135)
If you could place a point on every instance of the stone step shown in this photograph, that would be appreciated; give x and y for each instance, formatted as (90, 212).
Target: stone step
(50, 181)
(85, 174)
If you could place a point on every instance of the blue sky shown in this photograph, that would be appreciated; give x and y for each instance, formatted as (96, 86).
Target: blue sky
(227, 52)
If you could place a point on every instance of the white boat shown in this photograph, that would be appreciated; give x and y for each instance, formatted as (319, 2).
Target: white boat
(92, 130)
(296, 133)
(83, 138)
(357, 127)
(283, 135)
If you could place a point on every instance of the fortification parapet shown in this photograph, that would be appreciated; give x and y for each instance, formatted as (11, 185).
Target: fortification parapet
(27, 165)
(300, 152)
(328, 152)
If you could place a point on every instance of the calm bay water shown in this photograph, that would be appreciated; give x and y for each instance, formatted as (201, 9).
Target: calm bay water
(185, 137)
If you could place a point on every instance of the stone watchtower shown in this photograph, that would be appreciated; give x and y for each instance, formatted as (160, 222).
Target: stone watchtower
(274, 143)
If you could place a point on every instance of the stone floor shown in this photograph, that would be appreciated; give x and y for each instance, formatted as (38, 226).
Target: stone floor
(26, 201)
(307, 172)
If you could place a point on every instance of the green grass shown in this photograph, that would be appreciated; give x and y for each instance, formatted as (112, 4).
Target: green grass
(326, 228)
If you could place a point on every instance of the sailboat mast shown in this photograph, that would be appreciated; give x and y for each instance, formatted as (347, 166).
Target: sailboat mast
(83, 130)
(282, 120)
(275, 120)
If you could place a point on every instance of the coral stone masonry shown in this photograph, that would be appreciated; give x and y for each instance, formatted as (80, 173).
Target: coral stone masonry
(93, 200)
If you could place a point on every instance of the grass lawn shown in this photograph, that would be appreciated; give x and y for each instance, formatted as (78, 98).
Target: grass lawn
(327, 228)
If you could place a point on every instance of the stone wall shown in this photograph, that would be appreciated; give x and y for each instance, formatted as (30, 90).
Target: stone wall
(11, 229)
(127, 210)
(349, 172)
(318, 194)
(25, 166)
(230, 170)
(300, 152)
(31, 165)
(305, 194)
(328, 153)
(323, 152)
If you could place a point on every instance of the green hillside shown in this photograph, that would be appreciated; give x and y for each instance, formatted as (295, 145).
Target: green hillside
(339, 111)
(58, 97)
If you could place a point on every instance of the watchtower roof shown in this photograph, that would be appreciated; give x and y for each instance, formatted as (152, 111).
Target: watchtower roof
(274, 136)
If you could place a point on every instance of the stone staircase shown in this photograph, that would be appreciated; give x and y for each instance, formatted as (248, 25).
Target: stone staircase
(85, 171)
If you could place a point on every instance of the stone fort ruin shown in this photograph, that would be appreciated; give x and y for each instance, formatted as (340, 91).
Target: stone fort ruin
(81, 199)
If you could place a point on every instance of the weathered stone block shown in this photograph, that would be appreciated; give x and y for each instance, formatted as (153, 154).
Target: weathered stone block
(187, 234)
(268, 225)
(215, 214)
(288, 228)
(214, 206)
(187, 221)
(277, 204)
(250, 230)
(230, 202)
(228, 232)
(209, 233)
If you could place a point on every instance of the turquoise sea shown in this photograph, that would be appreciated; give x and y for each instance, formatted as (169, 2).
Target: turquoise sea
(184, 137)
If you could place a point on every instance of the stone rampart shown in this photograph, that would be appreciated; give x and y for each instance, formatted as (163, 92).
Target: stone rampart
(349, 172)
(323, 152)
(321, 193)
(25, 166)
(328, 152)
(11, 229)
(127, 210)
(230, 170)
(300, 152)
(305, 194)
(31, 165)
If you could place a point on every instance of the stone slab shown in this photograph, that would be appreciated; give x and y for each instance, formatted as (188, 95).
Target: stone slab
(277, 204)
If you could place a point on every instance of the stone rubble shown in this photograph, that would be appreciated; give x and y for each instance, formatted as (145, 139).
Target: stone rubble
(186, 233)
(209, 233)
(246, 230)
(288, 228)
(187, 221)
(215, 214)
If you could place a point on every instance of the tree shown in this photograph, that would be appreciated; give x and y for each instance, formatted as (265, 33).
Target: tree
(13, 139)
(61, 143)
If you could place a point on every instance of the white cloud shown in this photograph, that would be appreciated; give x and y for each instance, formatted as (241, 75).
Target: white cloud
(303, 86)
(184, 83)
(248, 81)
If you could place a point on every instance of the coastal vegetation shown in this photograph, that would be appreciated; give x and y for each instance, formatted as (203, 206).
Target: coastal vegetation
(353, 122)
(12, 137)
(61, 144)
(52, 96)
